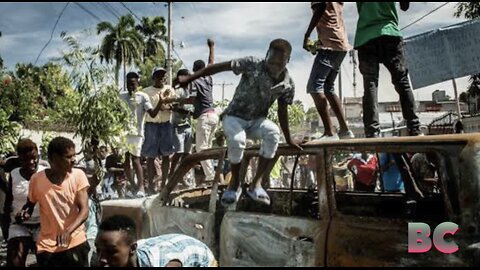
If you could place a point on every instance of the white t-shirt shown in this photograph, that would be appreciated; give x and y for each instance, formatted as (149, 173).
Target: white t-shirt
(139, 105)
(20, 194)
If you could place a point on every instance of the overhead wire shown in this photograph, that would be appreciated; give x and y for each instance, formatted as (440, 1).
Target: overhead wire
(88, 11)
(424, 16)
(131, 12)
(53, 31)
(107, 8)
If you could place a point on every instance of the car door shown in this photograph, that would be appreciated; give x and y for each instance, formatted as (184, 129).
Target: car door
(188, 211)
(370, 228)
(191, 212)
(278, 235)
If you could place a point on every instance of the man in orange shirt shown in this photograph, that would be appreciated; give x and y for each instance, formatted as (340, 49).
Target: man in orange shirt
(61, 193)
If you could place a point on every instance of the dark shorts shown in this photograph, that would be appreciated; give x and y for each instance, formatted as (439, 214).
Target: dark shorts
(74, 257)
(158, 140)
(324, 71)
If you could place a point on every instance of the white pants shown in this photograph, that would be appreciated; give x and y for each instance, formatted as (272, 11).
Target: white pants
(206, 125)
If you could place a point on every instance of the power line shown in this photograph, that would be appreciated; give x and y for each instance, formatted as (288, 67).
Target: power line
(112, 9)
(421, 18)
(108, 4)
(53, 31)
(98, 7)
(131, 12)
(108, 9)
(88, 11)
(183, 62)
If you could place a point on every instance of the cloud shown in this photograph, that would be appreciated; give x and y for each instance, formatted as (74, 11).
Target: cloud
(240, 29)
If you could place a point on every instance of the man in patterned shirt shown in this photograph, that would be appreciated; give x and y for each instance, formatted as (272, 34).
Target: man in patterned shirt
(263, 82)
(117, 246)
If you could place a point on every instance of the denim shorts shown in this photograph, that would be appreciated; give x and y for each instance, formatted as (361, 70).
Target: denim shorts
(182, 139)
(158, 140)
(324, 71)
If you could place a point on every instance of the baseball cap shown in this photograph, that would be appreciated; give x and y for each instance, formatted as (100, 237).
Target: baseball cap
(157, 69)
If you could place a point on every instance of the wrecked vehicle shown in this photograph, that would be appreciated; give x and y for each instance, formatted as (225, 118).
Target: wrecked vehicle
(326, 221)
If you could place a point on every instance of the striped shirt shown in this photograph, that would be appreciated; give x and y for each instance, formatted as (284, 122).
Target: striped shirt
(158, 251)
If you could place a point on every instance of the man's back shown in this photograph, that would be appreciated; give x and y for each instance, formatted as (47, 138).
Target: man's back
(376, 19)
(331, 28)
(202, 91)
(364, 170)
(392, 178)
(158, 251)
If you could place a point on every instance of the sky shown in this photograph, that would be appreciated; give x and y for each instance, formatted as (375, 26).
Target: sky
(239, 29)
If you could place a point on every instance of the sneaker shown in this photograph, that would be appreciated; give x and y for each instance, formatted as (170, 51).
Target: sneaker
(140, 194)
(346, 135)
(373, 135)
(129, 194)
(415, 132)
(326, 138)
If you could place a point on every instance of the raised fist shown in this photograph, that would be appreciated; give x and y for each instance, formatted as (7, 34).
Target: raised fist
(210, 42)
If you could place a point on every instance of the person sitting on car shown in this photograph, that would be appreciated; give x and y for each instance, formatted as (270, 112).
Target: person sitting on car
(117, 246)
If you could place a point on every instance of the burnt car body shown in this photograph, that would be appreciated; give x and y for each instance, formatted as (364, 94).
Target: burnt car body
(325, 225)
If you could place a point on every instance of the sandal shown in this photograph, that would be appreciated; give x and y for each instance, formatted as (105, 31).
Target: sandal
(230, 196)
(259, 195)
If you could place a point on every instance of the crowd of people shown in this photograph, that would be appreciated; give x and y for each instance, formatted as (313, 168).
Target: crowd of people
(386, 172)
(54, 212)
(58, 208)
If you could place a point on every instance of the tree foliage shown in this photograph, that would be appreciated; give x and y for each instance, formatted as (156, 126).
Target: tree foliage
(100, 116)
(312, 114)
(36, 93)
(153, 31)
(122, 43)
(9, 132)
(469, 10)
(296, 115)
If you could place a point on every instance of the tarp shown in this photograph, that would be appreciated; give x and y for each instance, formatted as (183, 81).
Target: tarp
(443, 54)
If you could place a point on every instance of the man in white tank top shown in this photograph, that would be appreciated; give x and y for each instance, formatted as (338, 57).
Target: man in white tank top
(22, 235)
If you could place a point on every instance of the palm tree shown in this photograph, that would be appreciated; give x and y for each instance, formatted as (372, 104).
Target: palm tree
(122, 43)
(153, 32)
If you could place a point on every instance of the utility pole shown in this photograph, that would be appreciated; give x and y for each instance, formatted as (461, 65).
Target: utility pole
(353, 60)
(169, 45)
(223, 91)
(340, 90)
(457, 102)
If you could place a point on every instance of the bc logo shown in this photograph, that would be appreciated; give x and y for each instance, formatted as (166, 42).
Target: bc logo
(419, 237)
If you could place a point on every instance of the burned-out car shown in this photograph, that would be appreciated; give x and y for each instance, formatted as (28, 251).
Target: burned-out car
(319, 214)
